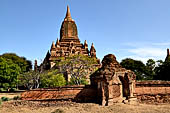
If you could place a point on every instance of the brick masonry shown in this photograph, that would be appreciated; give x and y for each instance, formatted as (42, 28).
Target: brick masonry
(75, 93)
(153, 91)
(145, 91)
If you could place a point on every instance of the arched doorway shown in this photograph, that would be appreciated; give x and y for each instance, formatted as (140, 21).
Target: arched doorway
(125, 86)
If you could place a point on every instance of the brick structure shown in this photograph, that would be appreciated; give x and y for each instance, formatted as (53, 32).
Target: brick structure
(153, 91)
(168, 55)
(68, 44)
(114, 83)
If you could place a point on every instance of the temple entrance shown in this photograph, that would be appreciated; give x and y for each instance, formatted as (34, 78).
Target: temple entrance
(125, 86)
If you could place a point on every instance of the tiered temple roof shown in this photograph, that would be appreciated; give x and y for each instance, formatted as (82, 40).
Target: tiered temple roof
(69, 43)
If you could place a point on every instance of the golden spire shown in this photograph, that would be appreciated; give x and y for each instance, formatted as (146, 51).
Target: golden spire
(68, 14)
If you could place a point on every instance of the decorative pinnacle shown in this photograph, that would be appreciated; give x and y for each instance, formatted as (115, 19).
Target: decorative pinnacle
(92, 45)
(68, 14)
(53, 46)
(58, 41)
(85, 42)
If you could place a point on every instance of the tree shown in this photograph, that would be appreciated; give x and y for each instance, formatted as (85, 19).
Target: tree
(142, 72)
(151, 64)
(30, 79)
(52, 79)
(150, 69)
(79, 67)
(9, 72)
(22, 62)
(163, 70)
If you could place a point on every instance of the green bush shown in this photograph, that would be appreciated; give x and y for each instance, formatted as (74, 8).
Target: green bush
(5, 99)
(17, 98)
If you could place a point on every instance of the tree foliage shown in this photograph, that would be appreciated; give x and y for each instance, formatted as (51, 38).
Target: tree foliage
(142, 71)
(22, 62)
(11, 66)
(136, 66)
(163, 70)
(52, 79)
(78, 67)
(9, 72)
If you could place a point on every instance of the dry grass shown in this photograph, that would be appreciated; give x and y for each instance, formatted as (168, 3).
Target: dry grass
(70, 107)
(9, 95)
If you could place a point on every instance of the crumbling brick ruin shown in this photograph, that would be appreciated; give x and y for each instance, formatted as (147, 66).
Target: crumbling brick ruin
(114, 83)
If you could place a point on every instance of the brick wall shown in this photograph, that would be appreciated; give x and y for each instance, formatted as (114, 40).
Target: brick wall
(153, 91)
(146, 91)
(76, 93)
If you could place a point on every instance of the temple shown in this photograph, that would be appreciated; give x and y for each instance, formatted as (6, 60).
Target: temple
(68, 44)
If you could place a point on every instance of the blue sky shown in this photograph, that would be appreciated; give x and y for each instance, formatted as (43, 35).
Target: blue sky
(138, 29)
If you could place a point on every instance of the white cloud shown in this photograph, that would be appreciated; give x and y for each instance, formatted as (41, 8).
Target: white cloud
(148, 52)
(144, 50)
(162, 44)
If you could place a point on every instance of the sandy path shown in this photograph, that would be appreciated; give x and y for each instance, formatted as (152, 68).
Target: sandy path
(64, 107)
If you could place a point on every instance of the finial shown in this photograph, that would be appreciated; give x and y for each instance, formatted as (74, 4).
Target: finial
(68, 14)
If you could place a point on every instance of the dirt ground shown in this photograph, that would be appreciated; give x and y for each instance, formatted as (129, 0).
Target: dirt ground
(9, 95)
(71, 107)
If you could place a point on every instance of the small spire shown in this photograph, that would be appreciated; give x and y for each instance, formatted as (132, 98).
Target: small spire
(53, 46)
(168, 52)
(92, 45)
(92, 48)
(57, 43)
(85, 42)
(68, 14)
(48, 54)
